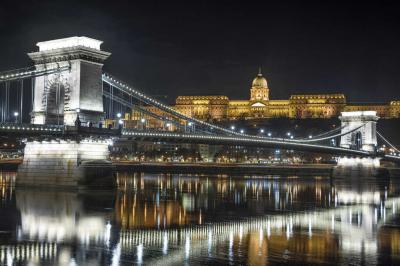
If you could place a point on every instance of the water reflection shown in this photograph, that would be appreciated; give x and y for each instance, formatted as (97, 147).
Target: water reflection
(171, 219)
(7, 181)
(57, 217)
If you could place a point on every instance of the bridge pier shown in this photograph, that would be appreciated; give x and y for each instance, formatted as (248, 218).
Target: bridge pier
(358, 162)
(66, 164)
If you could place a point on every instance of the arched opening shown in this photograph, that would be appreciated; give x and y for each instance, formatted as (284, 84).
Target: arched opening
(54, 101)
(356, 140)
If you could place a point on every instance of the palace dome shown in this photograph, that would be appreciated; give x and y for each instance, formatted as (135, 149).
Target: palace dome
(259, 81)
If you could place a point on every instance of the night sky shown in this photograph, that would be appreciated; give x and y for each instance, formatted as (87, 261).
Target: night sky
(203, 47)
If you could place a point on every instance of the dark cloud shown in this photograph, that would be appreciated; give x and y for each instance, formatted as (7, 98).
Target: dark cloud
(215, 47)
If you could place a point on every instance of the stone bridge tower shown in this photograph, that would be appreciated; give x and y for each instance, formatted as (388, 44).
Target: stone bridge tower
(363, 138)
(60, 96)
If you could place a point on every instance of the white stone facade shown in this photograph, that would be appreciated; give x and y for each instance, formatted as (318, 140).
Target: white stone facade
(365, 136)
(59, 96)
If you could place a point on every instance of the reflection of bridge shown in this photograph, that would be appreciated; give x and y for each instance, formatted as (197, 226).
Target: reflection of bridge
(356, 224)
(354, 218)
(17, 254)
(360, 221)
(69, 97)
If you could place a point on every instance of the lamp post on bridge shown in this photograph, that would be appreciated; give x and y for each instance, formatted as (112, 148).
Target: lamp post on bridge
(77, 121)
(190, 127)
(16, 114)
(143, 123)
(119, 121)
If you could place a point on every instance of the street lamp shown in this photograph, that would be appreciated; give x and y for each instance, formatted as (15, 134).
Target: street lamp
(120, 123)
(119, 115)
(232, 127)
(241, 131)
(288, 134)
(269, 134)
(190, 124)
(261, 130)
(16, 116)
(310, 137)
(143, 120)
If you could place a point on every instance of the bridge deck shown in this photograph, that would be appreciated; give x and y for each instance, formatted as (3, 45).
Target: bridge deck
(30, 130)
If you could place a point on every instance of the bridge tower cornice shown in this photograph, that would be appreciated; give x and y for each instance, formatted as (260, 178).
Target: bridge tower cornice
(359, 116)
(67, 54)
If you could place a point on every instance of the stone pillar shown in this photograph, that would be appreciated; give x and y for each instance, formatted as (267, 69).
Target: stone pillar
(366, 120)
(358, 162)
(60, 96)
(65, 164)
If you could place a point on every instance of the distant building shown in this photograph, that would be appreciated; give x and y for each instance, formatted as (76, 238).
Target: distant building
(221, 108)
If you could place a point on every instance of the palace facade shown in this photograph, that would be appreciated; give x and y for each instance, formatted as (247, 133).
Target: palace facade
(259, 106)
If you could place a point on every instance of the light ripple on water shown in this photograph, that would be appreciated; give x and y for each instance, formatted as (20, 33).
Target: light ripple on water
(87, 227)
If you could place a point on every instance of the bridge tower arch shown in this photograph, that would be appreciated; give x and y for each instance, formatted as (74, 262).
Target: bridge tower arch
(60, 96)
(364, 137)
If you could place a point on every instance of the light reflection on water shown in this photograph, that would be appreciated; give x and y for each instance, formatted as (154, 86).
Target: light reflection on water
(173, 219)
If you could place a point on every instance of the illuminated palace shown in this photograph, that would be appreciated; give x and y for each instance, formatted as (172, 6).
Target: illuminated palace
(220, 108)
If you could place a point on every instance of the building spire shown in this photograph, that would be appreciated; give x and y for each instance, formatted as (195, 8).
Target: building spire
(259, 71)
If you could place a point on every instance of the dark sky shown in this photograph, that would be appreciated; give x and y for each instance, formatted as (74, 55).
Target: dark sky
(205, 47)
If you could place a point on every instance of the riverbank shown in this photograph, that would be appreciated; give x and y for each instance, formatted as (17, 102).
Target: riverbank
(326, 170)
(11, 165)
(212, 168)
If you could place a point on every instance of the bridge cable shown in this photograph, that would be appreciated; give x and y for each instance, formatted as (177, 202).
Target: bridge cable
(29, 72)
(325, 133)
(329, 137)
(22, 100)
(387, 141)
(32, 92)
(7, 100)
(315, 138)
(1, 103)
(144, 111)
(143, 97)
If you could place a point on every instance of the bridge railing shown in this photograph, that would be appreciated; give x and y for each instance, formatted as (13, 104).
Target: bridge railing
(240, 141)
(29, 72)
(35, 129)
(8, 126)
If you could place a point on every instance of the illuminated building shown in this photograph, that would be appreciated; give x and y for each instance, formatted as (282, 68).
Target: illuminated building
(259, 106)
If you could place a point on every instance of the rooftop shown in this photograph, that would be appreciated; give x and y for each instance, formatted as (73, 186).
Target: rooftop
(69, 42)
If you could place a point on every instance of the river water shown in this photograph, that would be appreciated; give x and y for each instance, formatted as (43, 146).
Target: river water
(172, 219)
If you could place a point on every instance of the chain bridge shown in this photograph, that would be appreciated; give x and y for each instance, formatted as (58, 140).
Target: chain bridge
(58, 107)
